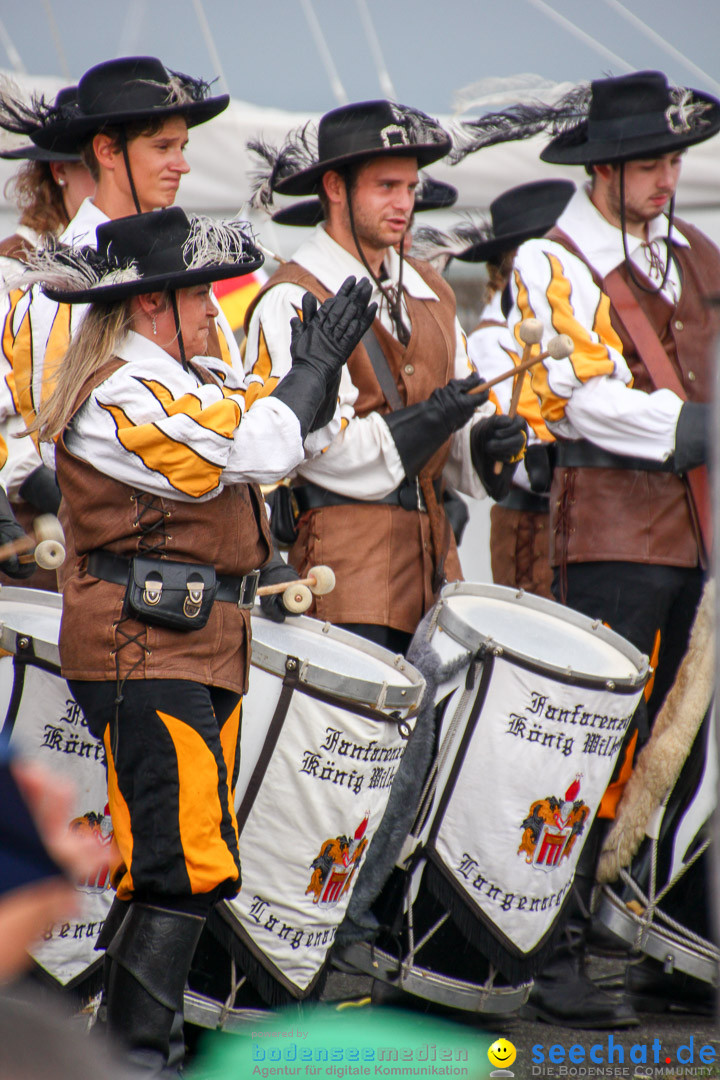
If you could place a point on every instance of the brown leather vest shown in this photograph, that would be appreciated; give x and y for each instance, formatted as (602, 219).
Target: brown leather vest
(230, 532)
(625, 514)
(382, 555)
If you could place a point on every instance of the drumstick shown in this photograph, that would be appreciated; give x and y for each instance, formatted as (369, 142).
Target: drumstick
(49, 544)
(567, 347)
(530, 332)
(320, 580)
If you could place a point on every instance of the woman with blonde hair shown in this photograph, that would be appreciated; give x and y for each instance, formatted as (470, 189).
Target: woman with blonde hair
(158, 460)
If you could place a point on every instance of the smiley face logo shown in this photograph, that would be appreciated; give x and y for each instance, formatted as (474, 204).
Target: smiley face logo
(502, 1053)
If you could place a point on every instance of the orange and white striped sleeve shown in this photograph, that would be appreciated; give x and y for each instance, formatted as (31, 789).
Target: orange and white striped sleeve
(159, 428)
(590, 394)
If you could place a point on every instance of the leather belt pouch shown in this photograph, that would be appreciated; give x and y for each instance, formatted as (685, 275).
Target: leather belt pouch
(173, 594)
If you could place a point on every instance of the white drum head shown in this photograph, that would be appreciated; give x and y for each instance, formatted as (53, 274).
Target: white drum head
(337, 662)
(540, 632)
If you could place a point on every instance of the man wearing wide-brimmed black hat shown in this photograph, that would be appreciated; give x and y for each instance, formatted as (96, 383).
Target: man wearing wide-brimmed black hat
(130, 124)
(370, 502)
(629, 408)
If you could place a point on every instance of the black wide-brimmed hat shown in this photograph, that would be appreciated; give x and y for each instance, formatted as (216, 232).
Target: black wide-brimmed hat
(429, 195)
(27, 118)
(345, 136)
(143, 253)
(517, 215)
(636, 116)
(606, 121)
(520, 214)
(127, 89)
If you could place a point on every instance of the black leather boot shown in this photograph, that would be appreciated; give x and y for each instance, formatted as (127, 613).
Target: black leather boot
(148, 963)
(650, 989)
(564, 994)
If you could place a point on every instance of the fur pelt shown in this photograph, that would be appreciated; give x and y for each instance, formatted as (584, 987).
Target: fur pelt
(661, 759)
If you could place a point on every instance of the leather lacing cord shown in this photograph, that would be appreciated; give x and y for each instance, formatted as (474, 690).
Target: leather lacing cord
(150, 519)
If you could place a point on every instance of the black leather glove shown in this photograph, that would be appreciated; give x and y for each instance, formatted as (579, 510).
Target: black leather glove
(321, 343)
(40, 489)
(419, 430)
(539, 468)
(9, 531)
(273, 572)
(692, 436)
(498, 438)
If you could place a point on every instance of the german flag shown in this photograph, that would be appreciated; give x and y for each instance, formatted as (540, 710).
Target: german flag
(234, 296)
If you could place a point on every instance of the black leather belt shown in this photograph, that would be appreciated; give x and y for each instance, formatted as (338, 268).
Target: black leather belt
(116, 568)
(408, 495)
(530, 502)
(585, 455)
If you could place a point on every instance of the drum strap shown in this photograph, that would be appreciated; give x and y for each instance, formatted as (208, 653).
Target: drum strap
(436, 516)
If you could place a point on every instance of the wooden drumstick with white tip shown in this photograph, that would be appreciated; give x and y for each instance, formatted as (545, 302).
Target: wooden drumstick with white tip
(559, 348)
(562, 345)
(297, 595)
(49, 544)
(530, 332)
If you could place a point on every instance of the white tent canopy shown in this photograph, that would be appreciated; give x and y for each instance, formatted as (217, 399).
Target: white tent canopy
(220, 167)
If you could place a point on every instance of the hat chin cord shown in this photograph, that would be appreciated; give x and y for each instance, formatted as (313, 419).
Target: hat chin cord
(178, 331)
(128, 170)
(668, 240)
(394, 305)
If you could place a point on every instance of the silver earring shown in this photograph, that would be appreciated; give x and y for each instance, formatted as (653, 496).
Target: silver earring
(61, 182)
(154, 326)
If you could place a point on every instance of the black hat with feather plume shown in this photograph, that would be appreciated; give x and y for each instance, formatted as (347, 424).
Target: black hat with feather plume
(635, 116)
(523, 212)
(122, 91)
(160, 251)
(27, 118)
(520, 214)
(606, 121)
(345, 136)
(429, 195)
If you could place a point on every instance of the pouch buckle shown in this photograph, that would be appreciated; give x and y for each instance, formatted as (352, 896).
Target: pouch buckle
(152, 593)
(192, 603)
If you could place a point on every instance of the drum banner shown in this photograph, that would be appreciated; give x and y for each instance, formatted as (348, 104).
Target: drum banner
(313, 805)
(46, 725)
(534, 757)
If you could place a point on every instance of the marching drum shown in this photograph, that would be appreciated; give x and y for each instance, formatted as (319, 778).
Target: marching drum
(324, 728)
(533, 701)
(44, 723)
(660, 907)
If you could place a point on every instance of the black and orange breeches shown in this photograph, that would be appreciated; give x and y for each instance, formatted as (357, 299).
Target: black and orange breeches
(172, 749)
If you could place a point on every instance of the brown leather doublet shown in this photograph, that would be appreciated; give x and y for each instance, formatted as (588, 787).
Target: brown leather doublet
(229, 532)
(382, 555)
(631, 515)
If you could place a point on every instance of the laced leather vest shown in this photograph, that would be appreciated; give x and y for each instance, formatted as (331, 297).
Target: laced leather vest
(230, 532)
(382, 555)
(600, 514)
